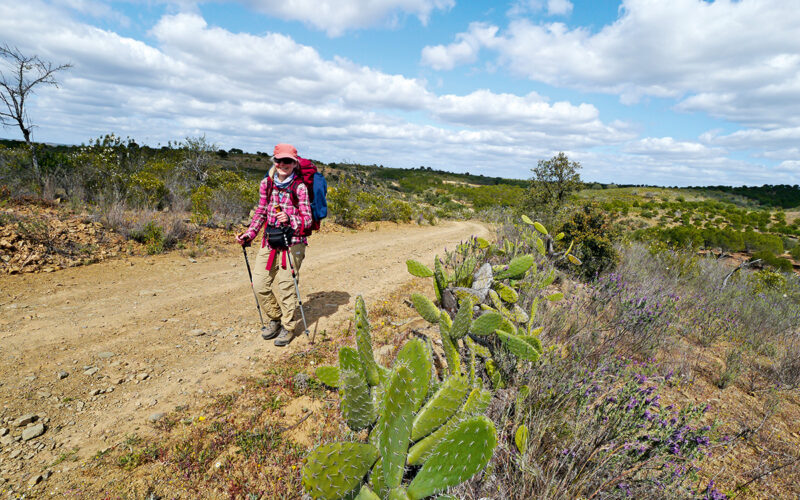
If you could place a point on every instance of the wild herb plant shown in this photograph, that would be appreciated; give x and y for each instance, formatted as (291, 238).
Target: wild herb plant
(594, 432)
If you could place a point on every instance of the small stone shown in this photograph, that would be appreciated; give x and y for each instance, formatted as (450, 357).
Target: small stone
(62, 375)
(15, 453)
(30, 378)
(142, 376)
(109, 390)
(7, 440)
(105, 355)
(35, 480)
(25, 420)
(155, 417)
(197, 332)
(91, 371)
(94, 392)
(43, 394)
(3, 431)
(193, 261)
(47, 474)
(33, 432)
(119, 381)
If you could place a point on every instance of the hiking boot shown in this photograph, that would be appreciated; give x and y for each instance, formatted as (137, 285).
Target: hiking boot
(284, 338)
(271, 330)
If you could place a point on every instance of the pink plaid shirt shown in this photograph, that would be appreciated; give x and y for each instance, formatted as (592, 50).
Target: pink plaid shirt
(299, 216)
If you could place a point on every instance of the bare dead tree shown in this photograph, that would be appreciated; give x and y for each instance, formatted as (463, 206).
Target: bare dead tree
(24, 74)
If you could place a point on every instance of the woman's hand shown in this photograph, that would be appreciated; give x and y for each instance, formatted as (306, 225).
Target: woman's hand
(243, 239)
(282, 217)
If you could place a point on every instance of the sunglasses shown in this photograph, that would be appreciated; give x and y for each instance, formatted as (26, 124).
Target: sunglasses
(285, 161)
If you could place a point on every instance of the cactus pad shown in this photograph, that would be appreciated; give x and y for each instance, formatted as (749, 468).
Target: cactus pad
(395, 425)
(364, 344)
(418, 269)
(367, 494)
(477, 402)
(358, 408)
(465, 451)
(328, 375)
(519, 347)
(534, 341)
(539, 227)
(463, 320)
(507, 293)
(486, 323)
(415, 356)
(521, 438)
(450, 350)
(397, 494)
(519, 315)
(517, 267)
(336, 470)
(350, 359)
(425, 308)
(439, 280)
(439, 408)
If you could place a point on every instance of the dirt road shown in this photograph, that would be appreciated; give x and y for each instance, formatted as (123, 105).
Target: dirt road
(96, 351)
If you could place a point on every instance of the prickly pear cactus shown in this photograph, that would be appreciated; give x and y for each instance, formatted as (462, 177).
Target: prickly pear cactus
(425, 307)
(521, 438)
(328, 375)
(357, 405)
(367, 494)
(408, 404)
(465, 451)
(418, 269)
(477, 402)
(394, 425)
(336, 470)
(364, 343)
(439, 408)
(517, 267)
(417, 359)
(486, 323)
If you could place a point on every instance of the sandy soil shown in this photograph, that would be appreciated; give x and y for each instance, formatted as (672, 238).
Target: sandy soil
(138, 336)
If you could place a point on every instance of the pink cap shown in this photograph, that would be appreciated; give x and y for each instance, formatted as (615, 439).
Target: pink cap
(285, 151)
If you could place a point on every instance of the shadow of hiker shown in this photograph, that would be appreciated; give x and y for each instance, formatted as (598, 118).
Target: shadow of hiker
(323, 304)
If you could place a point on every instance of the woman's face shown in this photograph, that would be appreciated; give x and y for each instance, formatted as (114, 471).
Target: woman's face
(284, 166)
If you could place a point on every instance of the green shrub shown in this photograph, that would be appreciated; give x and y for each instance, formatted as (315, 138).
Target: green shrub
(152, 235)
(767, 280)
(795, 252)
(341, 203)
(783, 265)
(589, 228)
(147, 190)
(201, 201)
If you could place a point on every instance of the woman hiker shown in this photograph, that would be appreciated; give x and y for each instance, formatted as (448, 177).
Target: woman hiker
(272, 276)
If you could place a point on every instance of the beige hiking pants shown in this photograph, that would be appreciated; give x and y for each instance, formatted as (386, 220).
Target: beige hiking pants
(275, 288)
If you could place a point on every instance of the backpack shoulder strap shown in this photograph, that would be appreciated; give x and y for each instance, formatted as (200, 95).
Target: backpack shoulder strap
(298, 179)
(269, 182)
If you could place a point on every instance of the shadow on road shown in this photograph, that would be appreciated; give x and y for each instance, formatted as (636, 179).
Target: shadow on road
(323, 304)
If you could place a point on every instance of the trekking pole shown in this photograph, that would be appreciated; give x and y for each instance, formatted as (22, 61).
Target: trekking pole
(249, 273)
(296, 287)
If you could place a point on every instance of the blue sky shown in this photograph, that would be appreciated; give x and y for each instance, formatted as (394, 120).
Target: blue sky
(666, 92)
